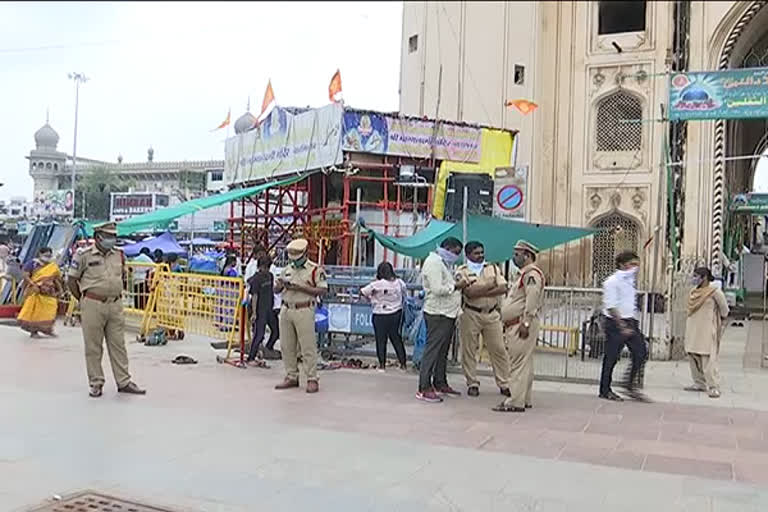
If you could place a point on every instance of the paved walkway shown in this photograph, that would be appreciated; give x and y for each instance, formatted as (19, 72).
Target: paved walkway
(211, 437)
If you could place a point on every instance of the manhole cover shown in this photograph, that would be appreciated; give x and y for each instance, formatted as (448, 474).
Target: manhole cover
(94, 502)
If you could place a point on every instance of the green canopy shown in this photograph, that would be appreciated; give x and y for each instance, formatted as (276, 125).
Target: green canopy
(499, 236)
(162, 218)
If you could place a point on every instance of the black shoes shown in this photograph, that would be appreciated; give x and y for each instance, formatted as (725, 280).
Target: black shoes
(611, 396)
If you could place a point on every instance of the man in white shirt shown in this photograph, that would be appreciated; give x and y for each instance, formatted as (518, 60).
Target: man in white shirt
(442, 302)
(621, 326)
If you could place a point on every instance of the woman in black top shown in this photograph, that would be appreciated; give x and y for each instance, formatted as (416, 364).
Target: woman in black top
(261, 290)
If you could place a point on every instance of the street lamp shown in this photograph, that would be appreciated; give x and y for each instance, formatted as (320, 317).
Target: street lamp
(79, 78)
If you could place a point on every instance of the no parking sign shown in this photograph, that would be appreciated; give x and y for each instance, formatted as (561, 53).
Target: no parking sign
(511, 189)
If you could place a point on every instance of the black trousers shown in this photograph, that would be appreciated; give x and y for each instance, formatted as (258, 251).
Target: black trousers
(434, 361)
(140, 295)
(387, 327)
(274, 328)
(615, 340)
(263, 319)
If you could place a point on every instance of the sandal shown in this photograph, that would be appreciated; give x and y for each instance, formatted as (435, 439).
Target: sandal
(96, 391)
(502, 407)
(182, 359)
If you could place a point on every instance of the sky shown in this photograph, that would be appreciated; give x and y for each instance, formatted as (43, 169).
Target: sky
(165, 74)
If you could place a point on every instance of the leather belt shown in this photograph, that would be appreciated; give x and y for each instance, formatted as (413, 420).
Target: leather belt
(299, 305)
(512, 322)
(99, 298)
(481, 310)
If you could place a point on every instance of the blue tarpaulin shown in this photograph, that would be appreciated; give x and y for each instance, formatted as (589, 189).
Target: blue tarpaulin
(165, 242)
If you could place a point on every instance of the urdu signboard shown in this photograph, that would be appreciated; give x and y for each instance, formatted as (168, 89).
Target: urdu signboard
(709, 95)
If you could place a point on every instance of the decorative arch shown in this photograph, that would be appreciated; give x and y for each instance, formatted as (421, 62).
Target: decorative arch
(760, 148)
(718, 174)
(616, 231)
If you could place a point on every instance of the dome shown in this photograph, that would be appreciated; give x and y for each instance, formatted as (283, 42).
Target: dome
(244, 123)
(46, 137)
(695, 93)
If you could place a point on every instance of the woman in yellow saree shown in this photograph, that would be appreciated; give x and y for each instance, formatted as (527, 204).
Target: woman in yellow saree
(42, 278)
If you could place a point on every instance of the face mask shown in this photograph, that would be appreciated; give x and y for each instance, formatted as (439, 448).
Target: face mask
(46, 259)
(447, 256)
(518, 260)
(108, 243)
(696, 280)
(475, 268)
(630, 273)
(299, 262)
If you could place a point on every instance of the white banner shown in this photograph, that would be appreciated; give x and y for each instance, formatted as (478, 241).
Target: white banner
(285, 143)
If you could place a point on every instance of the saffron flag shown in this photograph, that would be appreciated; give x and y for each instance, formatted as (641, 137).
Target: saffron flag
(525, 107)
(226, 121)
(269, 101)
(334, 89)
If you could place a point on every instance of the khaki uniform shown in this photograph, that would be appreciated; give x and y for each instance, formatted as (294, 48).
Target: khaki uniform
(483, 316)
(297, 319)
(100, 278)
(523, 303)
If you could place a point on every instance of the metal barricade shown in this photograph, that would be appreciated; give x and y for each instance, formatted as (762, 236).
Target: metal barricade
(14, 297)
(200, 304)
(571, 342)
(137, 290)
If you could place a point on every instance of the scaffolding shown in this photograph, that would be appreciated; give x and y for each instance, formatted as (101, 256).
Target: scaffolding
(324, 208)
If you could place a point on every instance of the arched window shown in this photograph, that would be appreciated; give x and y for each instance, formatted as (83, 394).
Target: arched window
(48, 165)
(613, 131)
(615, 233)
(55, 167)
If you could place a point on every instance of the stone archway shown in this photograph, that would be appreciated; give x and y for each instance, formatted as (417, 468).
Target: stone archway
(731, 56)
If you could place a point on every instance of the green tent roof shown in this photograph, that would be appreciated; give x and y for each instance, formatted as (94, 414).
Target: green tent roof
(499, 236)
(162, 218)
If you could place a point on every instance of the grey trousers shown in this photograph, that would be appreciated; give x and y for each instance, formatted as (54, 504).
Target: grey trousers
(434, 362)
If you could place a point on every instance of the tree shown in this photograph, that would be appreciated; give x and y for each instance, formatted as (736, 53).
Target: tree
(94, 190)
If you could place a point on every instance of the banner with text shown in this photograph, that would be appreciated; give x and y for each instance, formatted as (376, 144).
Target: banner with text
(369, 132)
(732, 94)
(285, 143)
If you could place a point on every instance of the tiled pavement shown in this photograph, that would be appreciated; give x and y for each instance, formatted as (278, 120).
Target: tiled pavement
(212, 437)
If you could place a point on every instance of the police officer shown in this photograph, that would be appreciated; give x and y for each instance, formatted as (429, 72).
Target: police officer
(301, 283)
(481, 314)
(520, 316)
(96, 280)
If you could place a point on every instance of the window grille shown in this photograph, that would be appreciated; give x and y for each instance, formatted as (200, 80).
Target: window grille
(614, 133)
(615, 233)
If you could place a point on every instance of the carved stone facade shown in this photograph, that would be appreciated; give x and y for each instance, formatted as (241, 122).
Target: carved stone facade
(595, 144)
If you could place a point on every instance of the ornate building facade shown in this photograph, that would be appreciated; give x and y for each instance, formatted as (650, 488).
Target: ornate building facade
(51, 171)
(598, 144)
